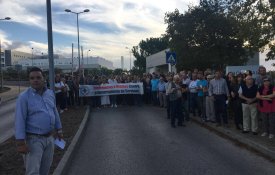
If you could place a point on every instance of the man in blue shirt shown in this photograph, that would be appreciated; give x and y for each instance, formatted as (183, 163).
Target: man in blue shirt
(162, 92)
(201, 88)
(154, 89)
(36, 121)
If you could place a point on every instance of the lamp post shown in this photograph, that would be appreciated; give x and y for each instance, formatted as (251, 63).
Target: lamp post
(77, 13)
(32, 56)
(2, 19)
(87, 55)
(130, 57)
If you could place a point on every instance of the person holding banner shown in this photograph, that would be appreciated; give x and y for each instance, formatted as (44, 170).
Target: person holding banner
(113, 81)
(105, 100)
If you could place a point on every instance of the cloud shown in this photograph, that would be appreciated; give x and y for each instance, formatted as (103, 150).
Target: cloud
(107, 29)
(129, 6)
(13, 45)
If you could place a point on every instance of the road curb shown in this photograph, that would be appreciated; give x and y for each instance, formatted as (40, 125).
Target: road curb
(9, 99)
(260, 149)
(64, 162)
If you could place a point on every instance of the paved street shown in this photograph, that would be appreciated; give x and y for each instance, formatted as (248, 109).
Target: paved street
(7, 110)
(140, 141)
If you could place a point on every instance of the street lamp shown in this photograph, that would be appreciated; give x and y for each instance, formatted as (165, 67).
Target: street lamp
(77, 13)
(87, 55)
(32, 56)
(130, 57)
(2, 19)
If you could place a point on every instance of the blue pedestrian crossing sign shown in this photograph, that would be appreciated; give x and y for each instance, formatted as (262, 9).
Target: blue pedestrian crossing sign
(171, 58)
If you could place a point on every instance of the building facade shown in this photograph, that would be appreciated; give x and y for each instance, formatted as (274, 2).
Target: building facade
(157, 63)
(68, 64)
(11, 58)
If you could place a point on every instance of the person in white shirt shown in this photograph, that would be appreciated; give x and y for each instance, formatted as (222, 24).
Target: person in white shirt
(193, 94)
(105, 100)
(59, 95)
(113, 98)
(185, 94)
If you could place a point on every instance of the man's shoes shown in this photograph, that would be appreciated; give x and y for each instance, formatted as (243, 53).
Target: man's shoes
(255, 133)
(264, 134)
(245, 132)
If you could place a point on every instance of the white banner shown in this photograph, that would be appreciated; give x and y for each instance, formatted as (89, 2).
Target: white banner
(241, 69)
(110, 89)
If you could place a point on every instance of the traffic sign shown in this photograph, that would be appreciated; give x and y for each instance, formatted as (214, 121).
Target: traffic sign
(171, 58)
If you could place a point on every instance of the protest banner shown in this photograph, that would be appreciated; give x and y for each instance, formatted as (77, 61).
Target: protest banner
(110, 89)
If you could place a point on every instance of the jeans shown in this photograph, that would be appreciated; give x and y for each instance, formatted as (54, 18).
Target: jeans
(176, 111)
(113, 99)
(220, 108)
(268, 122)
(193, 102)
(168, 106)
(201, 106)
(210, 109)
(238, 112)
(138, 99)
(60, 100)
(185, 109)
(155, 97)
(38, 161)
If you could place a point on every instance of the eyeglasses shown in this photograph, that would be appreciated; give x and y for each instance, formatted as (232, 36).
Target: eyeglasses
(38, 78)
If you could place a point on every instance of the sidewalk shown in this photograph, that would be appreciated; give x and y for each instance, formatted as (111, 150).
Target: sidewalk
(261, 145)
(12, 93)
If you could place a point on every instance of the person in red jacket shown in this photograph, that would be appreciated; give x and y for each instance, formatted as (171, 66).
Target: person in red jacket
(266, 107)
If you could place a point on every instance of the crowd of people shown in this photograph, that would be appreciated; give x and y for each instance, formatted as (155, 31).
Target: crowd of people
(212, 96)
(205, 94)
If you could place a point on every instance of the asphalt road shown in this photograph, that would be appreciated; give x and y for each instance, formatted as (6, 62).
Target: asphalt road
(140, 141)
(7, 111)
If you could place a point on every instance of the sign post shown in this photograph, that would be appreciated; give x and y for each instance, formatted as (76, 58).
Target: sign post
(171, 59)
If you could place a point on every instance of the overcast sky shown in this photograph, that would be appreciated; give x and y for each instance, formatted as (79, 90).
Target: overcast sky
(109, 27)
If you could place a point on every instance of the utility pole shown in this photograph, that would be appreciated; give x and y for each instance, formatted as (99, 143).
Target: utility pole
(82, 61)
(72, 59)
(50, 44)
(1, 71)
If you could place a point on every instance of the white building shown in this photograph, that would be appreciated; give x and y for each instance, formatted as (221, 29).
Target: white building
(67, 64)
(157, 63)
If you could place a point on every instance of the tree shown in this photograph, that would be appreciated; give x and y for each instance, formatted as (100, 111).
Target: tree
(118, 71)
(217, 33)
(146, 48)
